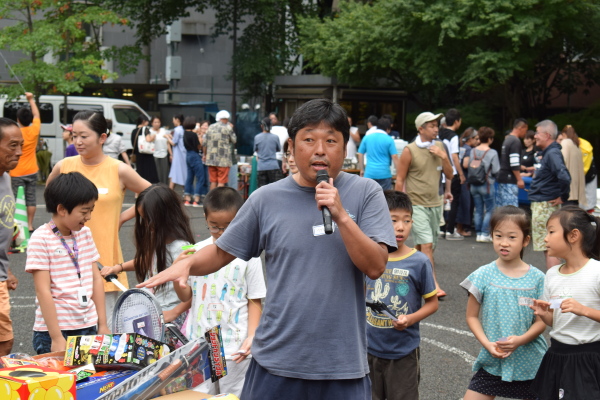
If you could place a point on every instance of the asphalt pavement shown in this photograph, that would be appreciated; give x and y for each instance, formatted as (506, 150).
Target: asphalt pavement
(448, 348)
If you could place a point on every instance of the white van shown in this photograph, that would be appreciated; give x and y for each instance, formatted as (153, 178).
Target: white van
(123, 113)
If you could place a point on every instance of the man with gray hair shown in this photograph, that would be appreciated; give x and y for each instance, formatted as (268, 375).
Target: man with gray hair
(550, 185)
(217, 149)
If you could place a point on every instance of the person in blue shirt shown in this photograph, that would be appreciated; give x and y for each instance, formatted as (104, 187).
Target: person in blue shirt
(380, 150)
(393, 344)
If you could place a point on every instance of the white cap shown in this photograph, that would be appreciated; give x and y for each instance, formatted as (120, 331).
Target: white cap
(426, 117)
(223, 114)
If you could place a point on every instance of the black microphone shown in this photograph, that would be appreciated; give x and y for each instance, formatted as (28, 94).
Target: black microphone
(323, 176)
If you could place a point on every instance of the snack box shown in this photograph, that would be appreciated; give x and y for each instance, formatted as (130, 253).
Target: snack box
(116, 351)
(36, 383)
(185, 368)
(10, 361)
(98, 384)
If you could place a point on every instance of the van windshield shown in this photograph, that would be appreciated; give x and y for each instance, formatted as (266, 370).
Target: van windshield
(127, 114)
(73, 108)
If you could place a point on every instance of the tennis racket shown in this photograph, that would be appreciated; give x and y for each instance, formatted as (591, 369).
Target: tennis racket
(137, 311)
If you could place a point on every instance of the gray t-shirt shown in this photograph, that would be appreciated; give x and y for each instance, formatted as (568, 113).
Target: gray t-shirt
(313, 325)
(7, 213)
(266, 146)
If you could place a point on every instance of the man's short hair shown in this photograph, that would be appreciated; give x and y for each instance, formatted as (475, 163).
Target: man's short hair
(222, 198)
(398, 200)
(317, 111)
(189, 123)
(70, 190)
(5, 123)
(452, 115)
(519, 122)
(25, 116)
(549, 127)
(384, 124)
(373, 120)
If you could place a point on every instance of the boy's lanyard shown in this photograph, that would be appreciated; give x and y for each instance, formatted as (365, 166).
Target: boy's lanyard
(74, 254)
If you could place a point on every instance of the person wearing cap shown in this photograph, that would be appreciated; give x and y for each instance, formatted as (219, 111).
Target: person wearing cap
(419, 173)
(217, 150)
(67, 136)
(26, 171)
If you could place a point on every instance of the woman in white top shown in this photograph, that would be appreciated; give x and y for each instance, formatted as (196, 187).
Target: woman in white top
(161, 149)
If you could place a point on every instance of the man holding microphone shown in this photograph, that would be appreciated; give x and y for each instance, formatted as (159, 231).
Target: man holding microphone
(311, 338)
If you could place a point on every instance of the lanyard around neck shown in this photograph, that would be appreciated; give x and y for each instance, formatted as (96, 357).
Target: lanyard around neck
(74, 254)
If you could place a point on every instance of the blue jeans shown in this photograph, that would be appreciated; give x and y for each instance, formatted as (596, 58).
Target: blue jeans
(484, 198)
(42, 343)
(385, 183)
(195, 169)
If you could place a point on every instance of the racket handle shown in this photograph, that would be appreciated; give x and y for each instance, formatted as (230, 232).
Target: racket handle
(112, 278)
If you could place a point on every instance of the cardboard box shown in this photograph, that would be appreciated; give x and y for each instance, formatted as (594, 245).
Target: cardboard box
(116, 351)
(186, 395)
(100, 383)
(36, 383)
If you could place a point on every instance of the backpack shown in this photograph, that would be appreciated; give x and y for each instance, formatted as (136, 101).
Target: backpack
(477, 173)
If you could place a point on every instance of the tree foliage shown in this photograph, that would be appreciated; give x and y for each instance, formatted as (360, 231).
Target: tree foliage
(532, 49)
(62, 42)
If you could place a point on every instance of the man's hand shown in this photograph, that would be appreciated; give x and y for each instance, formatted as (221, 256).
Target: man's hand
(463, 179)
(448, 197)
(327, 195)
(11, 281)
(436, 151)
(521, 184)
(29, 96)
(179, 272)
(556, 202)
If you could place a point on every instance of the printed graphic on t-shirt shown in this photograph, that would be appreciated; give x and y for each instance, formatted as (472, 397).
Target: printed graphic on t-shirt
(390, 288)
(7, 211)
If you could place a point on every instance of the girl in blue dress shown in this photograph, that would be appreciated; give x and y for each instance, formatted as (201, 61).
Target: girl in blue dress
(178, 173)
(499, 316)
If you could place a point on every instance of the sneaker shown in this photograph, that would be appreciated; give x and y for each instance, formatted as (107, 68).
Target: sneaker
(196, 204)
(478, 239)
(485, 239)
(442, 234)
(454, 236)
(187, 203)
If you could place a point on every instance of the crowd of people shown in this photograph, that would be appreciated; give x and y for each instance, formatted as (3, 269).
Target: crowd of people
(365, 258)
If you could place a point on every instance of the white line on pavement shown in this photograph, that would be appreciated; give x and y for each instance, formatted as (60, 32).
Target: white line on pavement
(447, 328)
(463, 354)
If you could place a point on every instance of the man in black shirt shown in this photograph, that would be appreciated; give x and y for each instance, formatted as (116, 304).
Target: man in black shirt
(509, 177)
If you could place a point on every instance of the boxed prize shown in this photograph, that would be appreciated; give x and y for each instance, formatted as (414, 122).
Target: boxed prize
(116, 351)
(100, 383)
(36, 383)
(184, 368)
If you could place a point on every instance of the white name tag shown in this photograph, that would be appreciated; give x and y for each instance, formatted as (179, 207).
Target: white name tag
(59, 251)
(400, 272)
(215, 307)
(319, 230)
(525, 301)
(102, 190)
(555, 303)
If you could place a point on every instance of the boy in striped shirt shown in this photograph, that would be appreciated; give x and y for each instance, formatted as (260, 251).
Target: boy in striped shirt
(61, 256)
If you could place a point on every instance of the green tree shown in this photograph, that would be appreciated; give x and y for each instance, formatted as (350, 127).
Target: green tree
(530, 50)
(62, 42)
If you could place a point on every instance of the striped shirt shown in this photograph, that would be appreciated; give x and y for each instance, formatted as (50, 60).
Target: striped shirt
(45, 252)
(583, 286)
